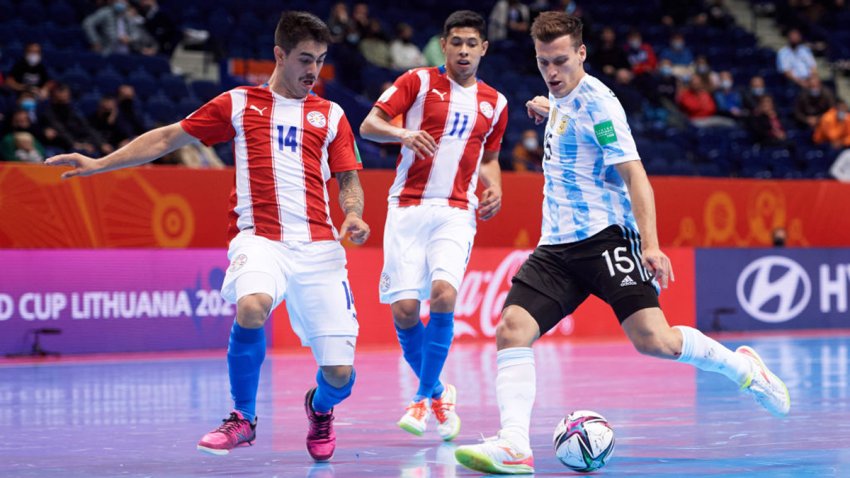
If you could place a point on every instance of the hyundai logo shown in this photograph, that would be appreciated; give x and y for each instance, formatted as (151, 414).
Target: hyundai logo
(774, 289)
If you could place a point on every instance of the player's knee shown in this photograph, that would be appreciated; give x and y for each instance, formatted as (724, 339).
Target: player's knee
(515, 330)
(443, 296)
(337, 375)
(405, 313)
(253, 310)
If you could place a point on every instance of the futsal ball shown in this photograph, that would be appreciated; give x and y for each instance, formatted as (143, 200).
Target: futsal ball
(584, 441)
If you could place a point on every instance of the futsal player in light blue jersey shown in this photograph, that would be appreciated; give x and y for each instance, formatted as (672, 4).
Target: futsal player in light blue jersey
(598, 237)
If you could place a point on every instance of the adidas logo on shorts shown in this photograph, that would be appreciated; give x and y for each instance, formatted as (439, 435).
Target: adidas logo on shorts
(627, 281)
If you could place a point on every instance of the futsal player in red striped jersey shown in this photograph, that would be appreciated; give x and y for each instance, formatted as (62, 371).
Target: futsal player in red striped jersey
(451, 136)
(287, 144)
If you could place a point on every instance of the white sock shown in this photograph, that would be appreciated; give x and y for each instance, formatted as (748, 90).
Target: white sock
(705, 353)
(516, 386)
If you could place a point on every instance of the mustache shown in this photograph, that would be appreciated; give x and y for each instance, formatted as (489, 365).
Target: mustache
(308, 78)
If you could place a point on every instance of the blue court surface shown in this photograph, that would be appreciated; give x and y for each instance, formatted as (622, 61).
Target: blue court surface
(142, 415)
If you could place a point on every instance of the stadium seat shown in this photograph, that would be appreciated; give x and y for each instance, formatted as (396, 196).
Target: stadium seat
(174, 87)
(205, 90)
(145, 84)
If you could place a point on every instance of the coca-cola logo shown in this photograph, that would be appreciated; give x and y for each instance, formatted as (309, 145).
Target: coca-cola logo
(482, 295)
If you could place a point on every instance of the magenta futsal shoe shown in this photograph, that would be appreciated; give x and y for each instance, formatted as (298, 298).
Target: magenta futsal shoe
(321, 439)
(235, 431)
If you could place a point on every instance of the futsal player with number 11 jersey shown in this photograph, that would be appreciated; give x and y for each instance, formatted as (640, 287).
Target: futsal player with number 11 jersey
(451, 136)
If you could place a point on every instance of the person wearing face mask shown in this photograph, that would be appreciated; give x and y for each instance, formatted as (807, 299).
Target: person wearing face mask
(796, 60)
(834, 127)
(73, 131)
(29, 73)
(728, 99)
(641, 55)
(812, 102)
(753, 94)
(117, 28)
(528, 153)
(20, 123)
(679, 54)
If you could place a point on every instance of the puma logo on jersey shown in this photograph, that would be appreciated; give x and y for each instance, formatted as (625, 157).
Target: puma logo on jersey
(441, 95)
(258, 110)
(627, 281)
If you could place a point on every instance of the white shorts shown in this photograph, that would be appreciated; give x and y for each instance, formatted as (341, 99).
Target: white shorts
(311, 277)
(423, 244)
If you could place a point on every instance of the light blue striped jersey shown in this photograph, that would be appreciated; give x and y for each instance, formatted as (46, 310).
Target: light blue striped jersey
(587, 134)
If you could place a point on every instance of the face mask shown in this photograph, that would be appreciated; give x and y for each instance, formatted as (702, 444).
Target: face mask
(726, 84)
(814, 92)
(666, 70)
(119, 7)
(635, 44)
(28, 105)
(758, 91)
(678, 45)
(841, 115)
(530, 143)
(32, 59)
(703, 69)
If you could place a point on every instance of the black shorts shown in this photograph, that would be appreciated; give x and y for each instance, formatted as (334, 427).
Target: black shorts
(556, 279)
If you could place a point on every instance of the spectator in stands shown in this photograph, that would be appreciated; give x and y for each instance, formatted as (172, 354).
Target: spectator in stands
(160, 26)
(698, 105)
(433, 52)
(25, 149)
(28, 102)
(728, 99)
(104, 118)
(754, 94)
(361, 23)
(715, 15)
(528, 153)
(676, 12)
(128, 123)
(609, 57)
(339, 22)
(375, 46)
(403, 52)
(795, 60)
(73, 131)
(710, 78)
(664, 85)
(20, 123)
(509, 19)
(29, 73)
(641, 56)
(117, 28)
(834, 127)
(680, 56)
(765, 124)
(812, 102)
(778, 237)
(24, 119)
(630, 97)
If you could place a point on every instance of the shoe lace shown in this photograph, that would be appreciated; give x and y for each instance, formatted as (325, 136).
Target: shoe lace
(418, 408)
(321, 424)
(231, 423)
(440, 407)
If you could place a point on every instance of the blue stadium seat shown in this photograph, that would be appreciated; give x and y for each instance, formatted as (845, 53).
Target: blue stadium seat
(145, 84)
(161, 110)
(108, 81)
(174, 87)
(87, 104)
(205, 90)
(77, 79)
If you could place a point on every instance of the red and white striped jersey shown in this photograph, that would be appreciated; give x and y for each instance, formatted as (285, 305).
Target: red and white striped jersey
(285, 151)
(465, 122)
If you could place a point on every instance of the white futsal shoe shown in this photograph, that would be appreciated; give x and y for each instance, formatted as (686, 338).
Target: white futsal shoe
(448, 423)
(767, 389)
(415, 418)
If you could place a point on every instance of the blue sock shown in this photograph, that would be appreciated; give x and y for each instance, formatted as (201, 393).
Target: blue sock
(438, 339)
(245, 355)
(327, 396)
(412, 341)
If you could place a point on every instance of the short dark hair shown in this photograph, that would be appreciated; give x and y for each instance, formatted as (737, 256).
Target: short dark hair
(295, 27)
(465, 19)
(549, 26)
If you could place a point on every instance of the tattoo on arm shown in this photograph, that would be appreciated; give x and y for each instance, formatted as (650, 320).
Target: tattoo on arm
(350, 192)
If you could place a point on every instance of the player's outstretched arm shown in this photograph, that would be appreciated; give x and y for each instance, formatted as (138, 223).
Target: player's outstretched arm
(491, 177)
(643, 206)
(144, 149)
(351, 200)
(377, 127)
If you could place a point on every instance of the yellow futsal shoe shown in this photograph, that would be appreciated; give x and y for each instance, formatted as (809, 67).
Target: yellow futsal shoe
(767, 389)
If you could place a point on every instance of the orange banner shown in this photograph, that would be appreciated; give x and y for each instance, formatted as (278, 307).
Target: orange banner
(161, 206)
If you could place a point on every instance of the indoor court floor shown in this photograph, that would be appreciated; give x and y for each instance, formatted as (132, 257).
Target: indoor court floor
(142, 415)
